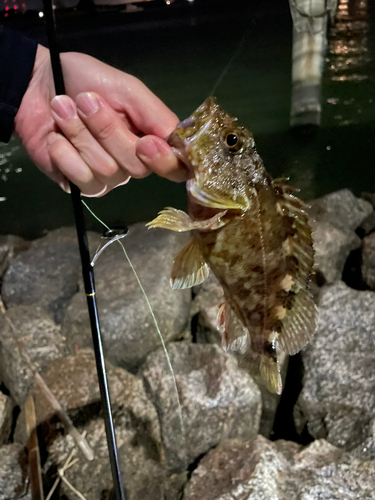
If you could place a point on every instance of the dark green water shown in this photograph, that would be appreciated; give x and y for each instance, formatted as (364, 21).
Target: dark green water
(180, 54)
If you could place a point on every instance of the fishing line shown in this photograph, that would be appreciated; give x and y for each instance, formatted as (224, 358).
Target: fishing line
(117, 238)
(226, 68)
(235, 54)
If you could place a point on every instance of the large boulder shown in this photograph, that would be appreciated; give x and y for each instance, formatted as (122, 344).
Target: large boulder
(47, 274)
(218, 400)
(6, 417)
(261, 470)
(127, 327)
(13, 473)
(334, 219)
(10, 246)
(73, 381)
(43, 343)
(337, 401)
(368, 260)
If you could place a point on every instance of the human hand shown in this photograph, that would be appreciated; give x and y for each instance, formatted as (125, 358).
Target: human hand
(101, 120)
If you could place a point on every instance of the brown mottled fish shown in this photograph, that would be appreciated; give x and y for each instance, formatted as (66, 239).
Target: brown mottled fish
(253, 234)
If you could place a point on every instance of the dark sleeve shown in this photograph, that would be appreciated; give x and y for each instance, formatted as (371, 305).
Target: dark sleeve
(17, 55)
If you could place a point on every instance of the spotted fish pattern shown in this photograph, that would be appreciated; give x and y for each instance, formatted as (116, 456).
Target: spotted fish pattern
(252, 232)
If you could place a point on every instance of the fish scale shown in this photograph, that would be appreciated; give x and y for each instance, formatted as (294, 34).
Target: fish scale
(252, 233)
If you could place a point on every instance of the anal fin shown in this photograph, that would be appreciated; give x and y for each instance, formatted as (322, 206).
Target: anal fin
(189, 268)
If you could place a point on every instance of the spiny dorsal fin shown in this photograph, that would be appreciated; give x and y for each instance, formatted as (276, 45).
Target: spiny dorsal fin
(299, 321)
(189, 268)
(299, 251)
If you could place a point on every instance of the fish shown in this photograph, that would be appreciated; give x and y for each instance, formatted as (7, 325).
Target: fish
(252, 233)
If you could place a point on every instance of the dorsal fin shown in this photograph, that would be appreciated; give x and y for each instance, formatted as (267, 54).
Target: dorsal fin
(298, 323)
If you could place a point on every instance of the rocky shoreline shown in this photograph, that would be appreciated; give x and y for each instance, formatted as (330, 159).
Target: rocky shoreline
(226, 449)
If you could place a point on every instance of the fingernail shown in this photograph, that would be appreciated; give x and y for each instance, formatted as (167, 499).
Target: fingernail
(65, 186)
(87, 103)
(148, 149)
(63, 107)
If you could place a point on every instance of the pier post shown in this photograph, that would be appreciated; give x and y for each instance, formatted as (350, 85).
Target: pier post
(310, 19)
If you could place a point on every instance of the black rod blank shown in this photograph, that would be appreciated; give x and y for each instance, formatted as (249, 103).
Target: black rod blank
(87, 271)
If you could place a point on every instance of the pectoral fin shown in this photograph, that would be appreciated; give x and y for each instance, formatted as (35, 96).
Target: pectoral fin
(177, 220)
(189, 268)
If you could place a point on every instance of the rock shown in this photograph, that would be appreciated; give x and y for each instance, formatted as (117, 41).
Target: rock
(341, 209)
(332, 247)
(333, 219)
(370, 197)
(368, 260)
(43, 342)
(260, 470)
(13, 473)
(367, 226)
(47, 274)
(6, 414)
(126, 324)
(10, 246)
(218, 400)
(208, 297)
(338, 401)
(73, 380)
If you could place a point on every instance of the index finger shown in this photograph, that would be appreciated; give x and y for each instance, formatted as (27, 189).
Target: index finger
(145, 110)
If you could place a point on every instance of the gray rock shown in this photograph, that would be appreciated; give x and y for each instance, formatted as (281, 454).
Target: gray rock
(208, 297)
(127, 327)
(367, 226)
(13, 473)
(370, 197)
(47, 274)
(338, 401)
(261, 470)
(10, 246)
(368, 260)
(334, 218)
(218, 400)
(341, 209)
(6, 413)
(73, 380)
(332, 247)
(43, 342)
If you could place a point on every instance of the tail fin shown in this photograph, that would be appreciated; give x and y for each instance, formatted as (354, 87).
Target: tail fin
(264, 367)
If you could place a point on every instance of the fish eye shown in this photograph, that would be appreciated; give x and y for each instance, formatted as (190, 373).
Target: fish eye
(233, 142)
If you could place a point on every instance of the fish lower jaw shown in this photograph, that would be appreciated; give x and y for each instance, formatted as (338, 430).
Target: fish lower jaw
(181, 155)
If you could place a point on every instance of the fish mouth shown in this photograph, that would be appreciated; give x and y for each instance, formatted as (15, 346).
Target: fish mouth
(178, 147)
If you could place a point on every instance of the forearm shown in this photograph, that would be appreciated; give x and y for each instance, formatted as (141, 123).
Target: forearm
(17, 57)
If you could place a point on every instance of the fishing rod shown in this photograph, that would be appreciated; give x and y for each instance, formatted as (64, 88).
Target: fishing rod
(87, 270)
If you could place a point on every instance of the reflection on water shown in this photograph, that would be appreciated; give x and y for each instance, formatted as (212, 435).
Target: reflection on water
(180, 59)
(349, 56)
(8, 167)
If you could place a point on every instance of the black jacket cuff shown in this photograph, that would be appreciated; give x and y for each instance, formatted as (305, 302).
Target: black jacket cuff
(17, 56)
